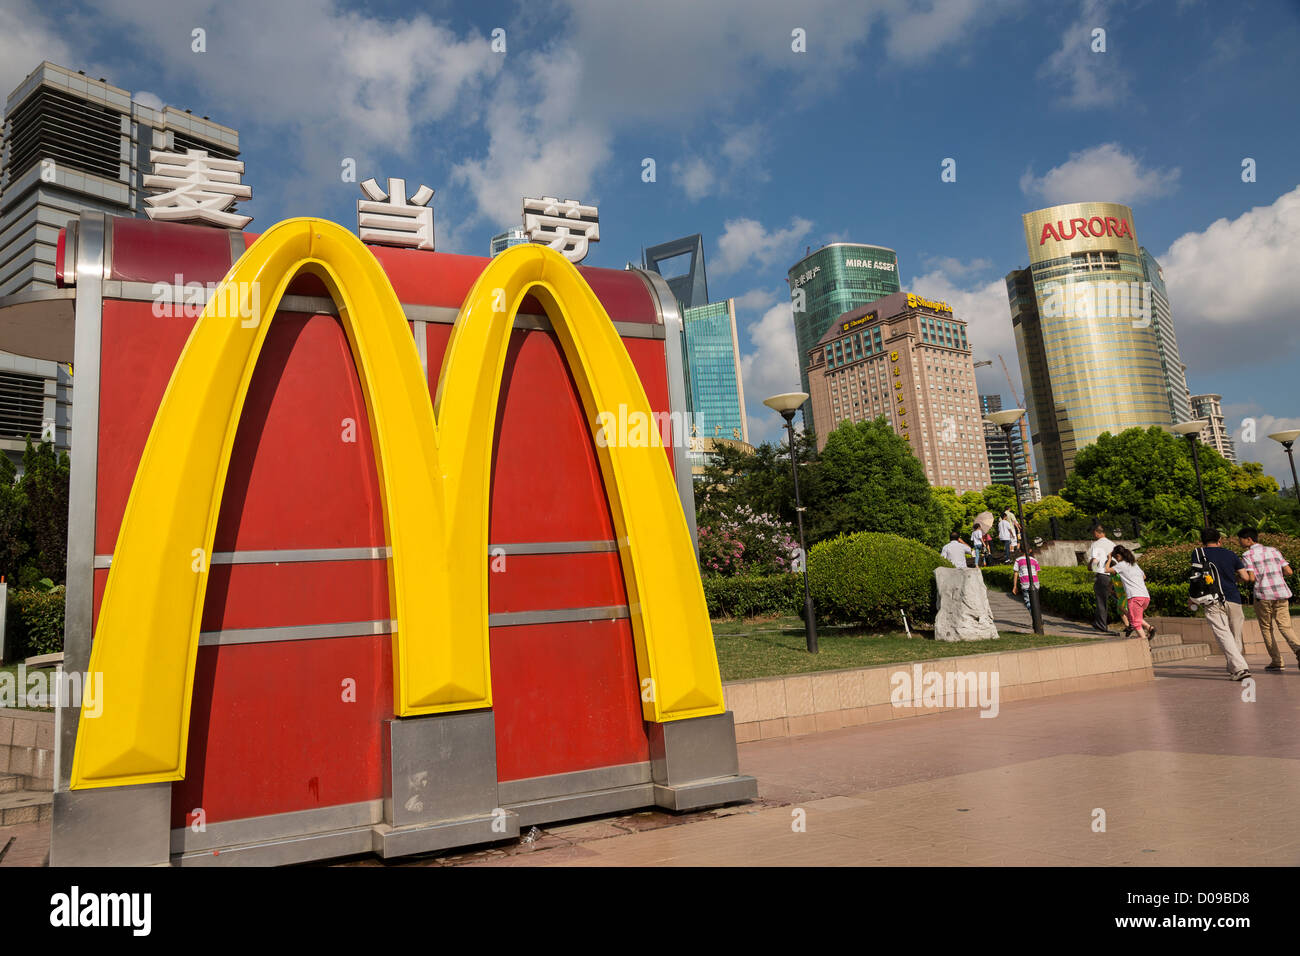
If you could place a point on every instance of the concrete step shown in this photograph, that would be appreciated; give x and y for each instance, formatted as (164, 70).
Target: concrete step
(25, 806)
(1179, 652)
(10, 782)
(1166, 640)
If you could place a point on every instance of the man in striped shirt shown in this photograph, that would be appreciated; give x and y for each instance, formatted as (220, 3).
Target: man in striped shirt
(1268, 570)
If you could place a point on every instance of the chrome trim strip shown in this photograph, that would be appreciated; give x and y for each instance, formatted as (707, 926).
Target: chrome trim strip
(679, 402)
(572, 783)
(611, 612)
(70, 255)
(420, 331)
(308, 555)
(444, 315)
(297, 632)
(92, 232)
(237, 246)
(273, 826)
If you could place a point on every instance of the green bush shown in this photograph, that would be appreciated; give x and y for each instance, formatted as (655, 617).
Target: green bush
(34, 621)
(869, 578)
(753, 595)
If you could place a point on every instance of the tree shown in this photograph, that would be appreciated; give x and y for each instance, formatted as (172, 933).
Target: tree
(45, 487)
(999, 498)
(953, 509)
(1249, 479)
(1147, 474)
(869, 480)
(13, 534)
(1050, 506)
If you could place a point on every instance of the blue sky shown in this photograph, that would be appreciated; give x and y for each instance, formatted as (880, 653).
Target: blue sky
(765, 150)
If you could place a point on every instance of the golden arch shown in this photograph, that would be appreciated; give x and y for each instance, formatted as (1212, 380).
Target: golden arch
(433, 477)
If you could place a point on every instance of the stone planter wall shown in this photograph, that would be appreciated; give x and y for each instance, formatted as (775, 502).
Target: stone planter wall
(27, 746)
(809, 703)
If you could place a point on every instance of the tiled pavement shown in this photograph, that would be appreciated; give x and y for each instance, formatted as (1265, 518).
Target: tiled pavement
(1185, 770)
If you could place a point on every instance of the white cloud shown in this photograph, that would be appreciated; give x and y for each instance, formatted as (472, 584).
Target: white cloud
(26, 40)
(1263, 449)
(748, 242)
(695, 176)
(916, 32)
(755, 300)
(150, 100)
(1092, 79)
(982, 304)
(769, 368)
(1224, 324)
(1101, 173)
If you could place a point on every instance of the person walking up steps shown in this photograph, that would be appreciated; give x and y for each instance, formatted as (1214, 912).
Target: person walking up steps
(1124, 566)
(955, 551)
(1268, 571)
(1212, 585)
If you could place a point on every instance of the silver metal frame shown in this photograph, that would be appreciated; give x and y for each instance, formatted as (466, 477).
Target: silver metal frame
(671, 317)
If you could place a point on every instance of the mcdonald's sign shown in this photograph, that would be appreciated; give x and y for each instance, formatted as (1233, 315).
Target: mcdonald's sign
(178, 612)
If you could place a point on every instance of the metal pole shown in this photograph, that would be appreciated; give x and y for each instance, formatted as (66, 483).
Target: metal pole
(1295, 485)
(1035, 612)
(809, 621)
(1200, 488)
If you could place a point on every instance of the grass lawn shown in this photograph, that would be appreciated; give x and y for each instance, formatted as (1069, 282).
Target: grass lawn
(10, 686)
(768, 647)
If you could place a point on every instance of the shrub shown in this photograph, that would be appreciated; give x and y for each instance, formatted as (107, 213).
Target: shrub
(868, 578)
(35, 621)
(754, 595)
(1068, 592)
(744, 542)
(1170, 564)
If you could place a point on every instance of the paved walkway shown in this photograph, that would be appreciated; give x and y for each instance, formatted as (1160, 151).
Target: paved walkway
(1010, 614)
(1181, 771)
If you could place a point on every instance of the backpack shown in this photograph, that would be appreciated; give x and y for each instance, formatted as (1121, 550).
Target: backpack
(1203, 583)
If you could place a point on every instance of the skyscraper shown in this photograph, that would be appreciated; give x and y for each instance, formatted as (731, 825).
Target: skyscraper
(681, 263)
(1002, 451)
(1090, 353)
(904, 358)
(1180, 399)
(1215, 433)
(824, 285)
(713, 383)
(504, 240)
(70, 144)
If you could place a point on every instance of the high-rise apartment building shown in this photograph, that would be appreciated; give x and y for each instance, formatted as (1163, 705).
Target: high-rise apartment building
(72, 143)
(1216, 433)
(826, 284)
(905, 358)
(1091, 355)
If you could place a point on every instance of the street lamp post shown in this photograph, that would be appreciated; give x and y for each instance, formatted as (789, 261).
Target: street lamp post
(787, 404)
(1005, 419)
(1190, 430)
(1288, 439)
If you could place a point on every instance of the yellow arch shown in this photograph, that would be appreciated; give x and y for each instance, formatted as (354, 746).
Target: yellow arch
(435, 500)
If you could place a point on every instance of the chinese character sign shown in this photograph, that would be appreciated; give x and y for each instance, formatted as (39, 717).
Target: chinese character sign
(391, 219)
(195, 187)
(566, 226)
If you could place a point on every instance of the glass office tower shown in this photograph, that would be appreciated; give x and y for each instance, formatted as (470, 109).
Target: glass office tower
(1180, 399)
(835, 279)
(1087, 338)
(713, 384)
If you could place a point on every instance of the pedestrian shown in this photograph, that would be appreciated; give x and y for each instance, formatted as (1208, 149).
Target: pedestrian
(1124, 566)
(1025, 577)
(977, 539)
(1268, 571)
(955, 550)
(1213, 586)
(1006, 535)
(1098, 553)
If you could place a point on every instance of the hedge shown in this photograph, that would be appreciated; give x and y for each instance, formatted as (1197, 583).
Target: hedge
(1068, 592)
(870, 579)
(1171, 564)
(34, 622)
(754, 595)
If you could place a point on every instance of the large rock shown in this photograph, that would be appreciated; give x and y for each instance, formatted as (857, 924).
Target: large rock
(964, 613)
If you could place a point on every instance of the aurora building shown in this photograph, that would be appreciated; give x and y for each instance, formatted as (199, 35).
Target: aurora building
(1094, 335)
(824, 285)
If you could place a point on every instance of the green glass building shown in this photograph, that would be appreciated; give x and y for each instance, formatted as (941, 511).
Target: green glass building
(712, 363)
(835, 279)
